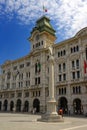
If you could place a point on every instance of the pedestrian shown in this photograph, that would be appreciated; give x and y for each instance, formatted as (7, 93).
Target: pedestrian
(61, 112)
(13, 109)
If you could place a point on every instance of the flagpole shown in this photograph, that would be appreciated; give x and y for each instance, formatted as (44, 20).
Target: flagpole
(44, 10)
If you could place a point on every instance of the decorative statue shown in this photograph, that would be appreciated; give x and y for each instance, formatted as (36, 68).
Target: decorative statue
(50, 50)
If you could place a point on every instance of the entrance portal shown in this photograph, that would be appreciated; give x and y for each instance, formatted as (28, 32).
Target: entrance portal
(26, 106)
(36, 104)
(11, 105)
(0, 105)
(5, 105)
(63, 104)
(18, 106)
(77, 106)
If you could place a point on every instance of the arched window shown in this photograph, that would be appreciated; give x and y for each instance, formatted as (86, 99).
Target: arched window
(61, 53)
(77, 48)
(73, 89)
(36, 68)
(74, 49)
(59, 67)
(79, 89)
(58, 54)
(77, 63)
(71, 50)
(64, 52)
(64, 90)
(64, 66)
(73, 64)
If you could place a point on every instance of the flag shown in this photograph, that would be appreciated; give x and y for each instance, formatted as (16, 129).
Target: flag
(44, 9)
(85, 67)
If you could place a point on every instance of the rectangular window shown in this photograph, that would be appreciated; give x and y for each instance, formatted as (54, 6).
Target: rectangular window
(78, 74)
(77, 64)
(13, 85)
(58, 54)
(59, 67)
(39, 93)
(60, 91)
(26, 94)
(42, 42)
(64, 66)
(86, 88)
(12, 95)
(8, 75)
(21, 76)
(19, 95)
(60, 77)
(26, 75)
(38, 80)
(8, 85)
(19, 84)
(73, 64)
(64, 77)
(28, 64)
(27, 83)
(35, 81)
(15, 67)
(3, 71)
(33, 93)
(29, 74)
(36, 93)
(21, 66)
(73, 75)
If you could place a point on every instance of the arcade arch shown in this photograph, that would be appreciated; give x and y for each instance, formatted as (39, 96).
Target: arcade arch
(18, 105)
(36, 104)
(63, 103)
(77, 107)
(5, 105)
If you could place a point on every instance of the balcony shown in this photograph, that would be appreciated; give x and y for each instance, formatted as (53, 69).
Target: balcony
(35, 86)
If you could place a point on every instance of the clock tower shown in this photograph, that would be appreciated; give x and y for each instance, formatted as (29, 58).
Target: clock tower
(42, 35)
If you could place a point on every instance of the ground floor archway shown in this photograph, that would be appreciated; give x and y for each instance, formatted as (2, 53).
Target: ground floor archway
(77, 107)
(11, 105)
(36, 104)
(5, 105)
(0, 105)
(26, 106)
(63, 103)
(18, 105)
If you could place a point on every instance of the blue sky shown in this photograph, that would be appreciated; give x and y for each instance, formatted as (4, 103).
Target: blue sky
(17, 17)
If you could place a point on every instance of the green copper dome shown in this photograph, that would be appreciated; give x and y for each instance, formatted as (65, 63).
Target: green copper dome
(43, 24)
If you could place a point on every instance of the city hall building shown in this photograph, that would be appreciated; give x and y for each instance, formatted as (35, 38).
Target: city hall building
(24, 83)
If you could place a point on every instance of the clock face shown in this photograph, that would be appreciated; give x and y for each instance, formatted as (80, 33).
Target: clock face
(37, 37)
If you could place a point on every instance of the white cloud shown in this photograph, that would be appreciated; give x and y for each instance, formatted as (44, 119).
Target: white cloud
(69, 16)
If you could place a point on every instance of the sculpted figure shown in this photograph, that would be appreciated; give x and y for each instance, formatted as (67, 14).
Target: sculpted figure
(50, 50)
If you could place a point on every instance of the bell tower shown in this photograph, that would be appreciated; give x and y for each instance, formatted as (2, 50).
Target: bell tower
(42, 35)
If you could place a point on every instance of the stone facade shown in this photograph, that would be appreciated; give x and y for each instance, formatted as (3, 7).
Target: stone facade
(24, 83)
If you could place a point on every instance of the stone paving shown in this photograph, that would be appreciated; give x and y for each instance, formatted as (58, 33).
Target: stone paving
(15, 121)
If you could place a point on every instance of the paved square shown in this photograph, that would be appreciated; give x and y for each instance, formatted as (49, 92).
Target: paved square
(13, 121)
